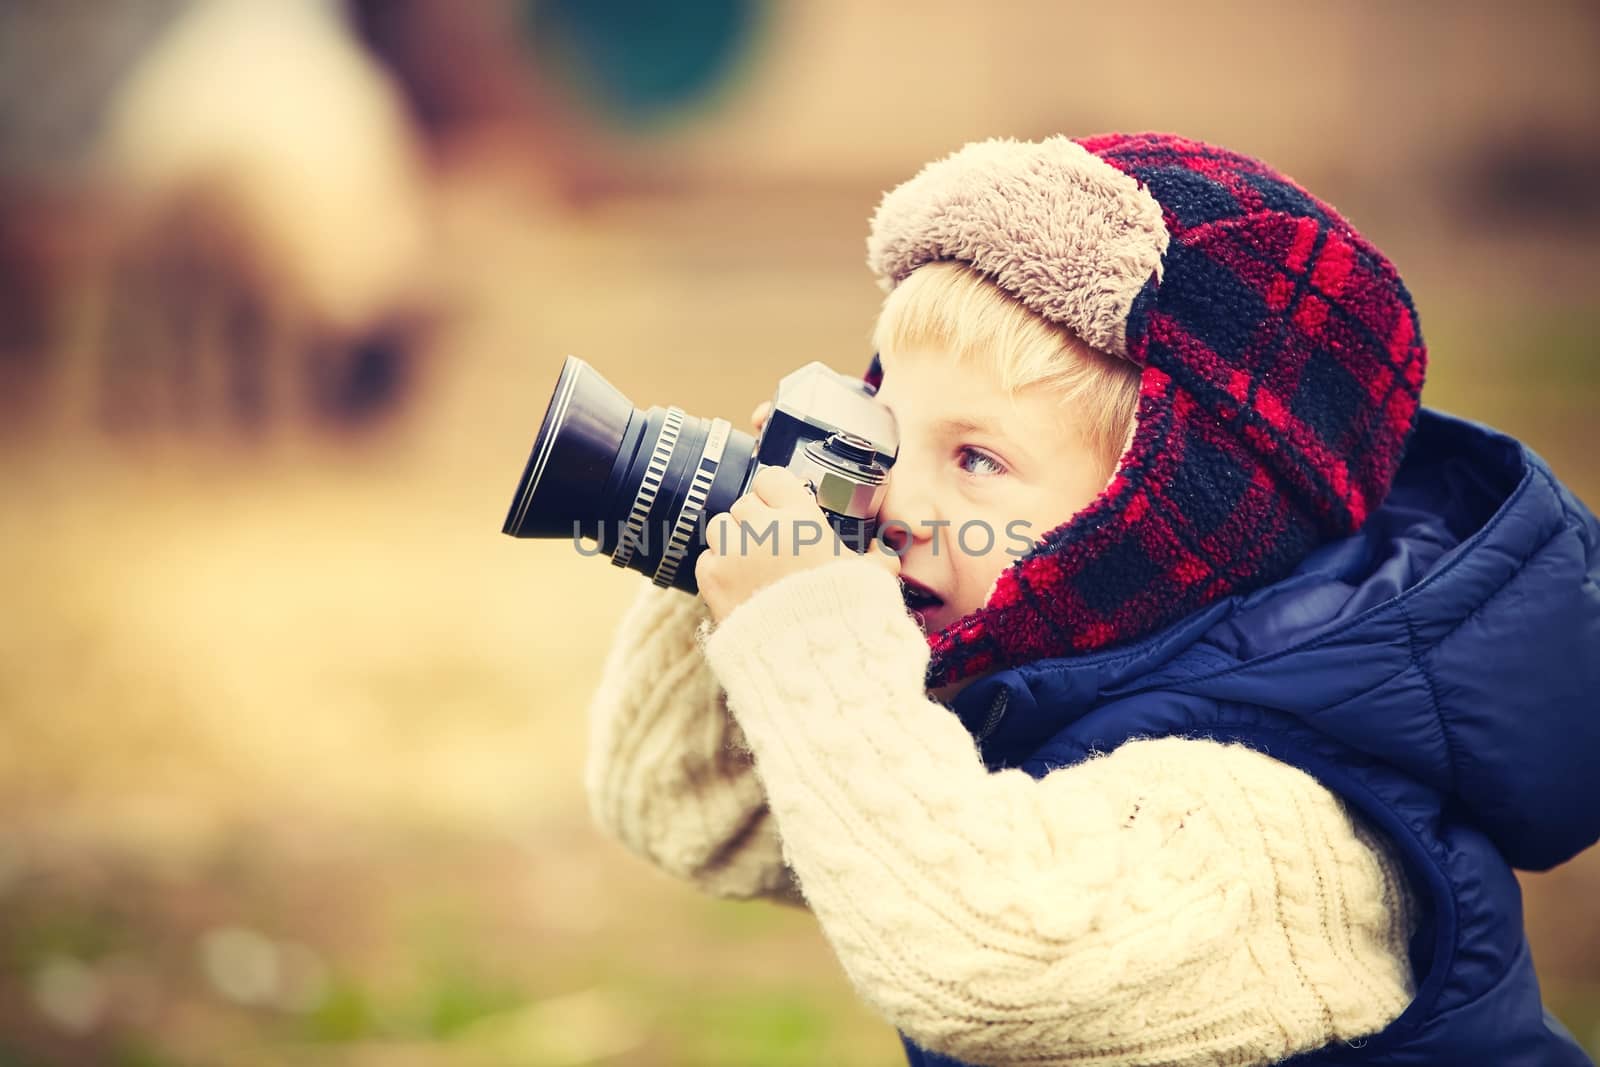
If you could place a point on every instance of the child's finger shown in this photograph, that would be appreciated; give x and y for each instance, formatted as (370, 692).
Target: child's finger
(779, 488)
(758, 417)
(719, 534)
(747, 508)
(887, 560)
(879, 555)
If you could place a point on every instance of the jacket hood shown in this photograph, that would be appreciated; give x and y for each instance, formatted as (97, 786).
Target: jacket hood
(1455, 636)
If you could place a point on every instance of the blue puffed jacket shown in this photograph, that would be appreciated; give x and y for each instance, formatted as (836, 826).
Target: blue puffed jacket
(1439, 671)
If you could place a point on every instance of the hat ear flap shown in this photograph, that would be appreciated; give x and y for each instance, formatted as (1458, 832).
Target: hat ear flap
(1139, 320)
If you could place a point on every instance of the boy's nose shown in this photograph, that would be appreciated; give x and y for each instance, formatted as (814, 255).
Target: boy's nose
(894, 535)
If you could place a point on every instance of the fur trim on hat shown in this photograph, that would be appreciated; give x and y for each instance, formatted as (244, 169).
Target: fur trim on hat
(1070, 236)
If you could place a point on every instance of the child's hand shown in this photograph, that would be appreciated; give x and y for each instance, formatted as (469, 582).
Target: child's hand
(774, 530)
(758, 417)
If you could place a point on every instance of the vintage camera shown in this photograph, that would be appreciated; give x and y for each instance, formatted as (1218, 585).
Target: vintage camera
(639, 485)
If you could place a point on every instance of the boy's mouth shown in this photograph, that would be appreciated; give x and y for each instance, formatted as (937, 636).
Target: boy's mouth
(918, 597)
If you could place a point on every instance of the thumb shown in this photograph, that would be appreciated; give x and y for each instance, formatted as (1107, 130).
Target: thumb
(758, 417)
(881, 555)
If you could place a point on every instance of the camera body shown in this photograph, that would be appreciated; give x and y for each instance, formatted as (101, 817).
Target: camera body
(641, 484)
(833, 436)
(815, 402)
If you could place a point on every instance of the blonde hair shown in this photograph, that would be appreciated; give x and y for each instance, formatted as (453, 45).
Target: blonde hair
(954, 308)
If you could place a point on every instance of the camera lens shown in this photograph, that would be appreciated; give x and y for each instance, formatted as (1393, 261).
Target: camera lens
(639, 483)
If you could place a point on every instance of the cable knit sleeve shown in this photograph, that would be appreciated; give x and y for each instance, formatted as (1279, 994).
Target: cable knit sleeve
(668, 772)
(1177, 901)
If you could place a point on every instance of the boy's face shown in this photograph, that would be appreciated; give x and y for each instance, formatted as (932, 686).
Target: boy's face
(973, 460)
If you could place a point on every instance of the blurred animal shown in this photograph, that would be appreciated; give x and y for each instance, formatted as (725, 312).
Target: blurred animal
(272, 229)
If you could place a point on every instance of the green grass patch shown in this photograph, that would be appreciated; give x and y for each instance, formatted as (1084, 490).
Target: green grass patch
(345, 1013)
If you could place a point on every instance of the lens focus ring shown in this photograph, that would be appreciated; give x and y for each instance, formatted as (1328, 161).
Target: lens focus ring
(694, 503)
(645, 498)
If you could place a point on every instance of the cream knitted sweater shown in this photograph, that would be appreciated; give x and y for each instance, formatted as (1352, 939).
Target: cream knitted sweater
(1177, 901)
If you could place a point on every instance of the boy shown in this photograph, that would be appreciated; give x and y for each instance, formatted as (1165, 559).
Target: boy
(1243, 749)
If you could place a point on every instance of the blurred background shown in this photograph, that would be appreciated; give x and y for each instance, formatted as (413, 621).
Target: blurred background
(290, 735)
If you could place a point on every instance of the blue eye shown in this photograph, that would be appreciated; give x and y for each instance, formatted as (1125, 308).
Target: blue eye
(976, 461)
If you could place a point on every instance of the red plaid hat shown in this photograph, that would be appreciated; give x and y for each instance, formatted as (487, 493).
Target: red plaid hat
(1282, 371)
